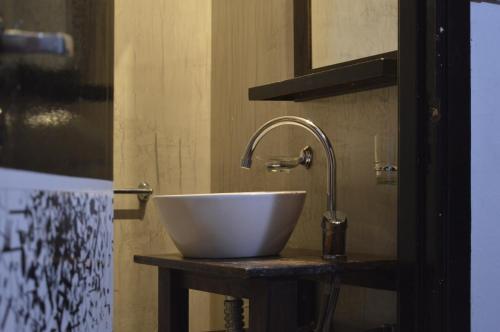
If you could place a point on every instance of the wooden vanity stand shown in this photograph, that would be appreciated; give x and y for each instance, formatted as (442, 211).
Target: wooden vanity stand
(280, 290)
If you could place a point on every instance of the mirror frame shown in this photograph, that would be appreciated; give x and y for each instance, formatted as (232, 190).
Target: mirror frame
(302, 38)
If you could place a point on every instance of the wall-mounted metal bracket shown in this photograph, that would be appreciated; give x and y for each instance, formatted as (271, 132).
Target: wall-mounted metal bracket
(285, 164)
(143, 191)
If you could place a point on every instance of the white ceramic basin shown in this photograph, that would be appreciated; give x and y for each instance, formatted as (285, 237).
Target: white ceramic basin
(230, 225)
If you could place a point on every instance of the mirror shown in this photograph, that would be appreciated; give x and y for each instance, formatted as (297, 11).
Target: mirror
(345, 30)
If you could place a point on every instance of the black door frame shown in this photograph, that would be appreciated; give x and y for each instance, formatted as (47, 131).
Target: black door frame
(434, 213)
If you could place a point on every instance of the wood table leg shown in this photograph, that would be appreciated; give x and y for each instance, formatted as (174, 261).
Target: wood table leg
(173, 303)
(307, 302)
(273, 306)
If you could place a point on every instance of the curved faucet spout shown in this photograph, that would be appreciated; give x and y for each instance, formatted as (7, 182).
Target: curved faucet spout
(246, 159)
(334, 226)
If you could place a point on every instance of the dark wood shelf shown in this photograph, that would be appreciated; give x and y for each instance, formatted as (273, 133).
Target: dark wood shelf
(359, 269)
(358, 75)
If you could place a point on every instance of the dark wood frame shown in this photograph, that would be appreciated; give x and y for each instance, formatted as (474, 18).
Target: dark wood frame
(302, 43)
(272, 301)
(278, 288)
(434, 185)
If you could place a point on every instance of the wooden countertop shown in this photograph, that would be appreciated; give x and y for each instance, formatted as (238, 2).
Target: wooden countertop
(359, 269)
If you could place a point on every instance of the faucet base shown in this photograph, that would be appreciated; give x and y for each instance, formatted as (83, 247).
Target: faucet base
(334, 236)
(335, 258)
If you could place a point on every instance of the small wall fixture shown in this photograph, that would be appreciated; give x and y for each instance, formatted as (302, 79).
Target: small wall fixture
(285, 164)
(386, 150)
(143, 191)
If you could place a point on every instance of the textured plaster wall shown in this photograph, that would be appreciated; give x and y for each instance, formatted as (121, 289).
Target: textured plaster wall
(162, 136)
(252, 44)
(182, 119)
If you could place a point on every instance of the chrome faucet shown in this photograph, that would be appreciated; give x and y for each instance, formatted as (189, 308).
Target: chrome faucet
(334, 225)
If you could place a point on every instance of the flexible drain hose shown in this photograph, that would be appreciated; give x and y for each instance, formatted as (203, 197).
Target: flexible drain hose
(233, 309)
(329, 305)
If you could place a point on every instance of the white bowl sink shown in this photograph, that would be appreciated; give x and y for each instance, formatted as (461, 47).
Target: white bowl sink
(230, 225)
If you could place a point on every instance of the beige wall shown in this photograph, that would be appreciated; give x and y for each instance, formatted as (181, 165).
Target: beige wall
(252, 44)
(162, 135)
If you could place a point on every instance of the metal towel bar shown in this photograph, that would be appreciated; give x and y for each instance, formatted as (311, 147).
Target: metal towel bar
(143, 191)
